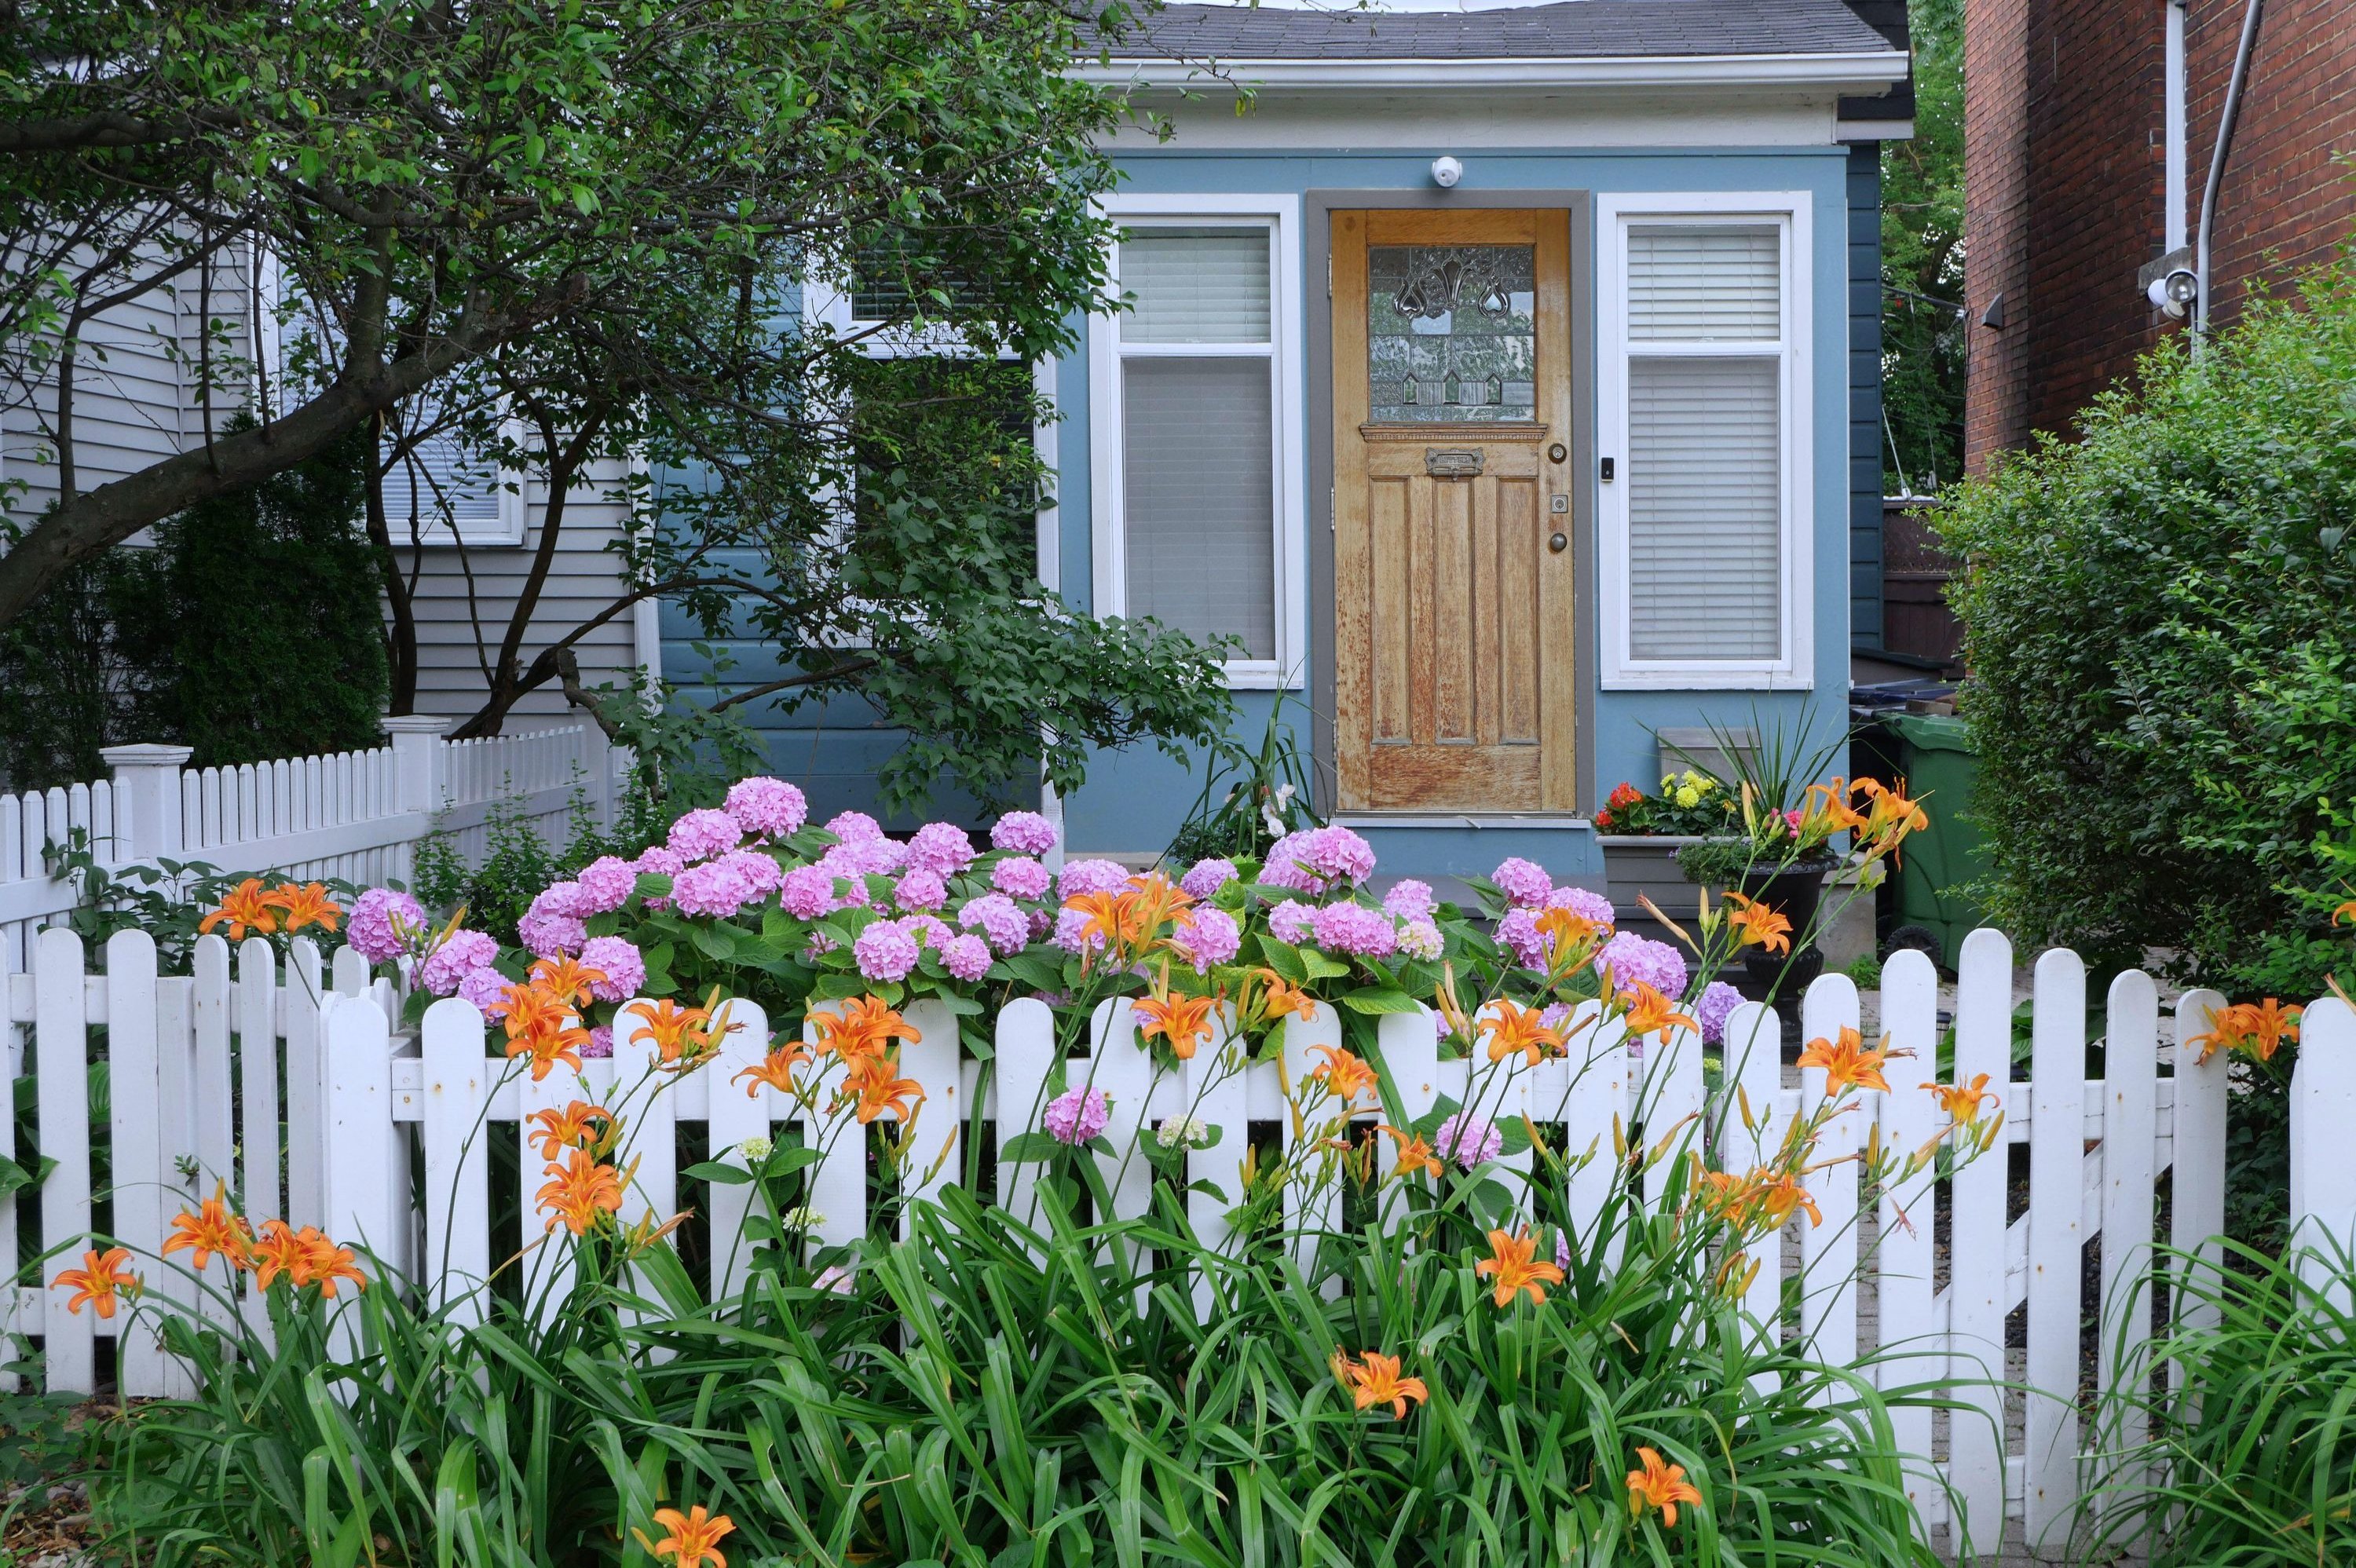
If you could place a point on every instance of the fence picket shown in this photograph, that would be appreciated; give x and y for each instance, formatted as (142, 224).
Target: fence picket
(1218, 1093)
(1828, 1247)
(1025, 1045)
(457, 1077)
(2130, 1123)
(304, 1087)
(733, 1117)
(135, 1169)
(548, 1261)
(1594, 1122)
(1311, 1216)
(1747, 1131)
(2323, 1205)
(1671, 1095)
(257, 1056)
(837, 1182)
(1906, 1253)
(937, 1157)
(2056, 1238)
(1976, 1292)
(61, 1089)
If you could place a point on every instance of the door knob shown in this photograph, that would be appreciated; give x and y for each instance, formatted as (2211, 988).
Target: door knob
(1556, 453)
(1558, 543)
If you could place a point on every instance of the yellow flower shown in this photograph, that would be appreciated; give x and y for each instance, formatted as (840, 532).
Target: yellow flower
(100, 1279)
(1846, 1063)
(1657, 1484)
(1688, 796)
(1515, 1268)
(1376, 1380)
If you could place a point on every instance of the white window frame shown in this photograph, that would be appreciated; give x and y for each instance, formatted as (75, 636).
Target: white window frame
(1793, 667)
(1281, 215)
(435, 531)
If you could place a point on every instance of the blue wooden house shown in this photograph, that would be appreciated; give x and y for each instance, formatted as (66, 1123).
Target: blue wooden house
(1505, 378)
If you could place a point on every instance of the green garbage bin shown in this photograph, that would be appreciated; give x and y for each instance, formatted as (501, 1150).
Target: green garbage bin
(1934, 752)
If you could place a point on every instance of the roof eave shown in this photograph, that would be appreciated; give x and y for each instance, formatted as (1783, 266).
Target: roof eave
(1863, 72)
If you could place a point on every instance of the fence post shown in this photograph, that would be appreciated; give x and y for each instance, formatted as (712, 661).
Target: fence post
(420, 763)
(2323, 1187)
(147, 801)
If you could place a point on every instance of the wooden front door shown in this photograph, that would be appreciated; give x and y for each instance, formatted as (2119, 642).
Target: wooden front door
(1452, 563)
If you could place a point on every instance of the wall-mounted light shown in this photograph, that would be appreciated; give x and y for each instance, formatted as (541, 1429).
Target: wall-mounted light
(2174, 292)
(1445, 172)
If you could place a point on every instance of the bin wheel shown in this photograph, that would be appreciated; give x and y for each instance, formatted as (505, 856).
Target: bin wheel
(1914, 938)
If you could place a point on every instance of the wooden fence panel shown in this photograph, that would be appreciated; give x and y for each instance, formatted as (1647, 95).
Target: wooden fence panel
(1913, 1349)
(1976, 1293)
(457, 1136)
(2056, 1237)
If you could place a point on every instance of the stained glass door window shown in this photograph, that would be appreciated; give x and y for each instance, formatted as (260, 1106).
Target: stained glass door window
(1451, 334)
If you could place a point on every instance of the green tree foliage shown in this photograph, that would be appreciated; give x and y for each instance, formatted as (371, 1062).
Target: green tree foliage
(1923, 263)
(2161, 661)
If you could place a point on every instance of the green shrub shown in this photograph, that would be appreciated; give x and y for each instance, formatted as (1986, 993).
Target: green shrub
(2254, 1448)
(2160, 657)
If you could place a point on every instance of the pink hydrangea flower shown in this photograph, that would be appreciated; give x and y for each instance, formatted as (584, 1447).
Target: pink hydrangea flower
(715, 889)
(1584, 902)
(921, 888)
(461, 955)
(1525, 883)
(1518, 930)
(1556, 1015)
(941, 847)
(1292, 922)
(854, 827)
(1072, 934)
(1355, 928)
(1207, 876)
(1077, 1114)
(1019, 876)
(1316, 858)
(1468, 1140)
(551, 936)
(867, 857)
(807, 892)
(601, 1043)
(929, 931)
(1083, 877)
(620, 962)
(563, 897)
(886, 951)
(1209, 937)
(1714, 1011)
(760, 871)
(607, 885)
(1003, 926)
(966, 958)
(1563, 1250)
(1410, 899)
(1420, 939)
(654, 860)
(384, 924)
(1629, 958)
(701, 834)
(767, 807)
(487, 989)
(1025, 832)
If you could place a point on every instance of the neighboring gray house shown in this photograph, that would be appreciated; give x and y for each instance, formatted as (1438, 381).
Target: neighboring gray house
(135, 401)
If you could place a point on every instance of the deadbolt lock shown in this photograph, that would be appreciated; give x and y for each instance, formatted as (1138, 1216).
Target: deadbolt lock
(1558, 453)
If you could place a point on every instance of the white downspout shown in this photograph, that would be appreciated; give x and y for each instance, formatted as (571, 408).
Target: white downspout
(2176, 222)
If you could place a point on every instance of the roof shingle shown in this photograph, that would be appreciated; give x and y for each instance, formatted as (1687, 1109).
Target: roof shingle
(1568, 29)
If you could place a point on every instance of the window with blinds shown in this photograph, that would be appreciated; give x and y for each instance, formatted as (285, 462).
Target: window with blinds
(1197, 420)
(1706, 348)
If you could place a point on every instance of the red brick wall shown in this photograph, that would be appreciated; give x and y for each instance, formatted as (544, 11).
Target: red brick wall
(2065, 171)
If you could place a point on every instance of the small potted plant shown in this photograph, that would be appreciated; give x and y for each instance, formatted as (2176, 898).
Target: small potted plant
(1642, 833)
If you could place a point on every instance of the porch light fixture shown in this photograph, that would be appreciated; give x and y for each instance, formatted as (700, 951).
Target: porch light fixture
(1446, 171)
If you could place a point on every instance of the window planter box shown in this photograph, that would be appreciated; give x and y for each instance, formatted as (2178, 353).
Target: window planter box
(1645, 865)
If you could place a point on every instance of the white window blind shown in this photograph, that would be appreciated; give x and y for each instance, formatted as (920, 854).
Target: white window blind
(1195, 369)
(1196, 285)
(441, 481)
(1705, 284)
(1705, 486)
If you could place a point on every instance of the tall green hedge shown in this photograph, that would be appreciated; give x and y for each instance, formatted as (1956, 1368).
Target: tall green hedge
(2161, 622)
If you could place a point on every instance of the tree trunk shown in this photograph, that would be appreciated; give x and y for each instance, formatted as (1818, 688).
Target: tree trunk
(401, 637)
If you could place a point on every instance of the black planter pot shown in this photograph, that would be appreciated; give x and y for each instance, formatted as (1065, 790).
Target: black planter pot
(1794, 891)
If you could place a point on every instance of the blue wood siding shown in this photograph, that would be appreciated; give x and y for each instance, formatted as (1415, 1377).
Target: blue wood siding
(1864, 393)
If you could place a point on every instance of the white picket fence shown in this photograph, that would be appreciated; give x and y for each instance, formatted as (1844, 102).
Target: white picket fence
(190, 1057)
(356, 815)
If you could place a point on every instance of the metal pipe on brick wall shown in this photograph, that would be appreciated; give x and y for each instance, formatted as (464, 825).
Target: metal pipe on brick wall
(2173, 225)
(2217, 157)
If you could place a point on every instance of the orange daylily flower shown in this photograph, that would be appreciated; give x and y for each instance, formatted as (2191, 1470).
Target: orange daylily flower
(278, 1250)
(1756, 925)
(1522, 1030)
(1783, 1197)
(682, 1036)
(1184, 1021)
(776, 1070)
(1889, 818)
(580, 1190)
(566, 979)
(1281, 999)
(304, 905)
(1414, 1153)
(552, 1037)
(1846, 1062)
(1827, 807)
(1569, 936)
(689, 1542)
(873, 1082)
(245, 907)
(2345, 914)
(101, 1281)
(1344, 1074)
(2270, 1024)
(579, 1126)
(324, 1263)
(1961, 1101)
(211, 1228)
(1376, 1381)
(1658, 1485)
(531, 1011)
(866, 1028)
(1516, 1269)
(1650, 1013)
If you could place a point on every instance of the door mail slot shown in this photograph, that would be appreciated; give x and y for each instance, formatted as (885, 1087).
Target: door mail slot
(1452, 461)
